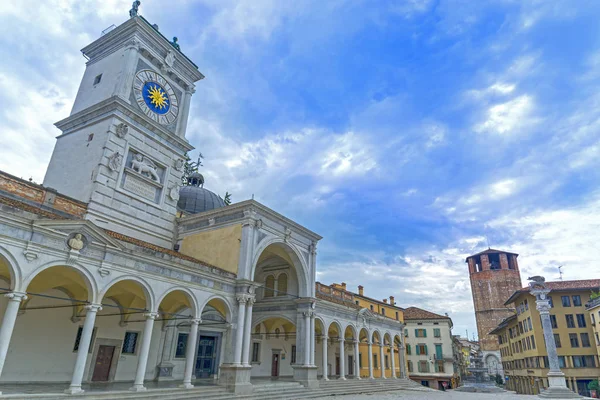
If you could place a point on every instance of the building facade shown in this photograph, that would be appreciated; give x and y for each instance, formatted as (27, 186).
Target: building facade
(429, 348)
(109, 275)
(593, 309)
(494, 276)
(521, 340)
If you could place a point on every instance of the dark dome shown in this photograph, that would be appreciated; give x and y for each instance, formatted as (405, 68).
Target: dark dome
(194, 199)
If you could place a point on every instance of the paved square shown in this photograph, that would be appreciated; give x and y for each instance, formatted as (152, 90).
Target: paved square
(448, 395)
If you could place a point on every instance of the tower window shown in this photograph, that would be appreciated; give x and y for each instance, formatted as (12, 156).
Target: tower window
(494, 261)
(97, 79)
(478, 267)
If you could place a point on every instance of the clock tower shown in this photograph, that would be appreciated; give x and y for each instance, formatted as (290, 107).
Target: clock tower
(122, 148)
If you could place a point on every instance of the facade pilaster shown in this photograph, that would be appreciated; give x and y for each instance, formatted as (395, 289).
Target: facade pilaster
(312, 339)
(8, 323)
(138, 384)
(126, 80)
(84, 345)
(190, 354)
(183, 119)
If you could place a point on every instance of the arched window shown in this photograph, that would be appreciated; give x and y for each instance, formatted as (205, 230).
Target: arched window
(282, 285)
(269, 286)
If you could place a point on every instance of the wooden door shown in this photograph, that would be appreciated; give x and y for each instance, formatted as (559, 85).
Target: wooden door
(103, 362)
(275, 365)
(337, 365)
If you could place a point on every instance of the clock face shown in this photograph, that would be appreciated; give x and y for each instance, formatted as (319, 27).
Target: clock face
(155, 96)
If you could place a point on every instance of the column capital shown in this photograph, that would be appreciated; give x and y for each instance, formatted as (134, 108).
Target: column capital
(16, 296)
(151, 315)
(342, 340)
(195, 321)
(243, 298)
(93, 307)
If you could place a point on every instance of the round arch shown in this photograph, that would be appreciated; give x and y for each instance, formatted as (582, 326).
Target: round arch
(141, 283)
(335, 324)
(302, 270)
(377, 333)
(364, 334)
(352, 331)
(387, 338)
(221, 299)
(89, 282)
(268, 317)
(193, 302)
(9, 269)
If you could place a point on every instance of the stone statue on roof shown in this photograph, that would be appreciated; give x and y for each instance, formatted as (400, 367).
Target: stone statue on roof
(175, 44)
(134, 8)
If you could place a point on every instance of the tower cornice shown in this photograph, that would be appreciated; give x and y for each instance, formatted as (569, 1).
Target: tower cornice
(116, 104)
(150, 40)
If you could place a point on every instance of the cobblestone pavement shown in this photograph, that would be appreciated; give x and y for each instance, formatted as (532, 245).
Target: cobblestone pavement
(436, 395)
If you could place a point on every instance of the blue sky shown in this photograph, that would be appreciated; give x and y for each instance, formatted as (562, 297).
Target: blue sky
(404, 132)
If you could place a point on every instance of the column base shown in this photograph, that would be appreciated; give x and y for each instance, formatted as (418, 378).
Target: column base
(236, 378)
(559, 393)
(186, 386)
(306, 375)
(138, 388)
(342, 378)
(74, 390)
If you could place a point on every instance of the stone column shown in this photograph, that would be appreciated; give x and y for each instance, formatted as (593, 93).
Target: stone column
(307, 335)
(190, 354)
(342, 360)
(138, 384)
(402, 361)
(557, 385)
(247, 333)
(8, 323)
(84, 345)
(381, 361)
(312, 339)
(356, 360)
(324, 339)
(371, 360)
(393, 361)
(239, 334)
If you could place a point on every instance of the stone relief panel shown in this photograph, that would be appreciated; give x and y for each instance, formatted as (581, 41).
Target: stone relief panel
(143, 176)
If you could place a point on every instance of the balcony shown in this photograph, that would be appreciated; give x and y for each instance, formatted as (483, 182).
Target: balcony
(592, 303)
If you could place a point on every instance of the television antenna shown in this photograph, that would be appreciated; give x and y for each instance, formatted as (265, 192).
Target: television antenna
(560, 272)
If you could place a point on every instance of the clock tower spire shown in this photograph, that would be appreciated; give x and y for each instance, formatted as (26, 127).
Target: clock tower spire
(122, 148)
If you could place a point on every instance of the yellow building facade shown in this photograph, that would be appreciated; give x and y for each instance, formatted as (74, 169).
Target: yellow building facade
(593, 309)
(385, 308)
(522, 346)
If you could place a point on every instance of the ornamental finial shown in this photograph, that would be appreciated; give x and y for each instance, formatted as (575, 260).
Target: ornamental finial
(134, 9)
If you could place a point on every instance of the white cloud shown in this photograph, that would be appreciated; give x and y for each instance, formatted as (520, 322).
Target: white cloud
(503, 188)
(509, 117)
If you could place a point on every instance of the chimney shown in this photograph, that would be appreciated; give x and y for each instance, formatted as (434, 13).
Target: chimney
(385, 301)
(360, 290)
(392, 302)
(344, 285)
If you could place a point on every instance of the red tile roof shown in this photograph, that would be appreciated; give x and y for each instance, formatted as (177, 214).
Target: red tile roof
(418, 313)
(557, 286)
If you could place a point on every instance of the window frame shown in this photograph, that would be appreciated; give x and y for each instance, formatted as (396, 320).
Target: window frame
(179, 334)
(135, 346)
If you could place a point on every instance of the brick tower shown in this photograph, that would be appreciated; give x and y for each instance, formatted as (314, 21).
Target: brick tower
(494, 278)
